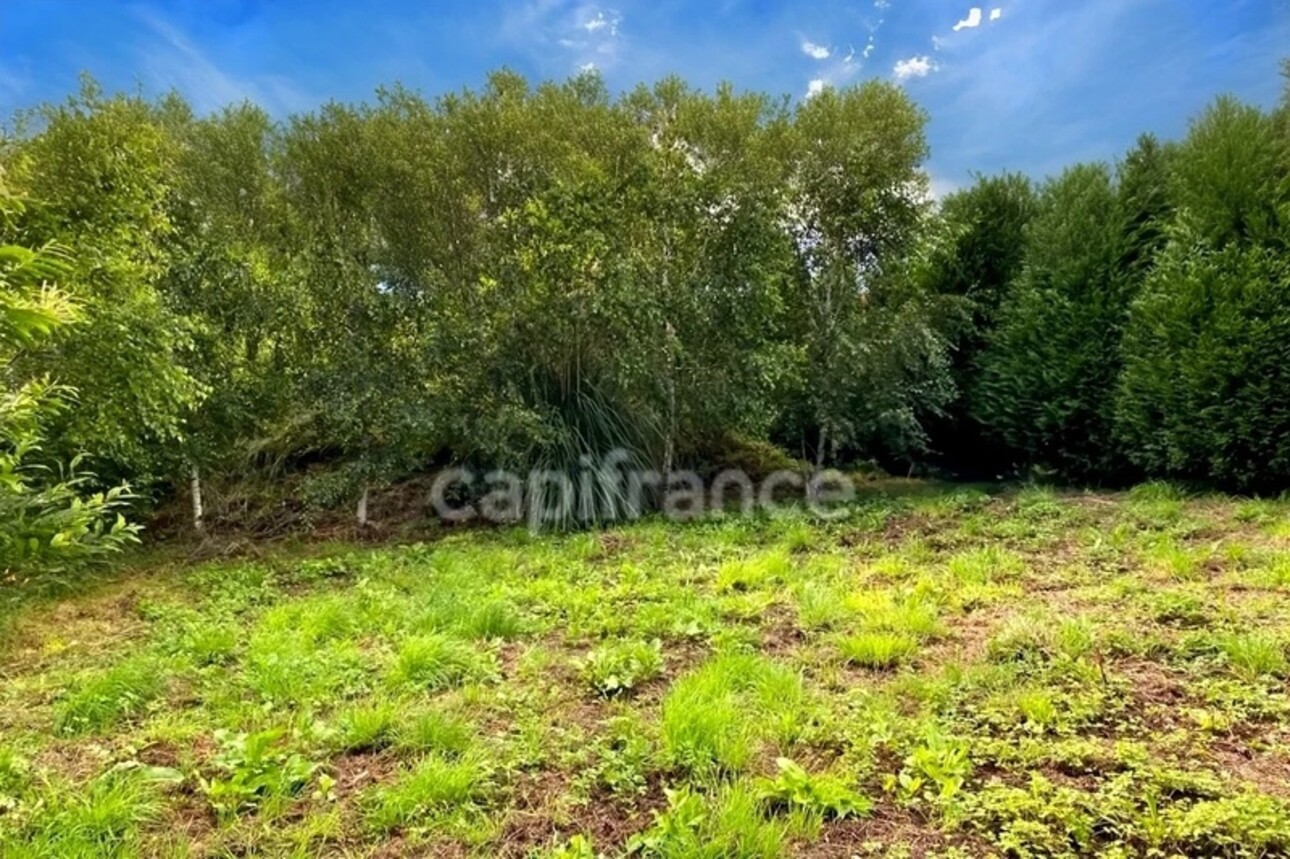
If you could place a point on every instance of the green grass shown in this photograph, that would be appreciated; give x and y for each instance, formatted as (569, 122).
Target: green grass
(942, 671)
(102, 700)
(434, 791)
(878, 649)
(433, 662)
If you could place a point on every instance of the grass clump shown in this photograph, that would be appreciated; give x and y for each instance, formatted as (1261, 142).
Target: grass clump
(1253, 655)
(103, 818)
(493, 620)
(102, 700)
(437, 662)
(367, 727)
(714, 718)
(878, 650)
(437, 789)
(433, 731)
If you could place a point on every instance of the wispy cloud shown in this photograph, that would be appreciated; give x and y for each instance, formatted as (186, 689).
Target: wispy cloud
(13, 83)
(171, 60)
(583, 35)
(840, 71)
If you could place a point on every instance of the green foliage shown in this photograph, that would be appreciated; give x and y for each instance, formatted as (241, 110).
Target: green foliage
(532, 276)
(1050, 369)
(824, 794)
(977, 248)
(100, 174)
(617, 668)
(251, 769)
(51, 520)
(1204, 390)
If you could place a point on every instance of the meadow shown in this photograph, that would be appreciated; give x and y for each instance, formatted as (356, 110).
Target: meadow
(942, 671)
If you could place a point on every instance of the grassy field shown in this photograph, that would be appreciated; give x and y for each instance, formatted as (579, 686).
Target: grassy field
(941, 672)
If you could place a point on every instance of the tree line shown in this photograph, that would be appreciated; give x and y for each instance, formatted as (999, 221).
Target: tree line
(524, 274)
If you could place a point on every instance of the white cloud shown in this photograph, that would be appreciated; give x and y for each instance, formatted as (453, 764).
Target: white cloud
(996, 14)
(814, 51)
(972, 20)
(815, 87)
(914, 67)
(599, 22)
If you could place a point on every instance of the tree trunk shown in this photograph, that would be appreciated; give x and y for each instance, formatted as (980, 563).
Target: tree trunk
(819, 451)
(669, 445)
(195, 485)
(362, 508)
(819, 462)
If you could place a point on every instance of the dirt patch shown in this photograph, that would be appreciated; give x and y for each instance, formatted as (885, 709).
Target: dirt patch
(1266, 770)
(539, 820)
(889, 828)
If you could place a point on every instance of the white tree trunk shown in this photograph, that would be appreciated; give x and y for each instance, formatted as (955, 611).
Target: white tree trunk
(195, 485)
(362, 508)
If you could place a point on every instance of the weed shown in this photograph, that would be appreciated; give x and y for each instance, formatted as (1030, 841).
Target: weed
(729, 823)
(250, 769)
(619, 667)
(824, 794)
(622, 758)
(936, 769)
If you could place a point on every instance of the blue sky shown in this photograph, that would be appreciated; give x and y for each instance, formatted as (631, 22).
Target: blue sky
(1028, 85)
